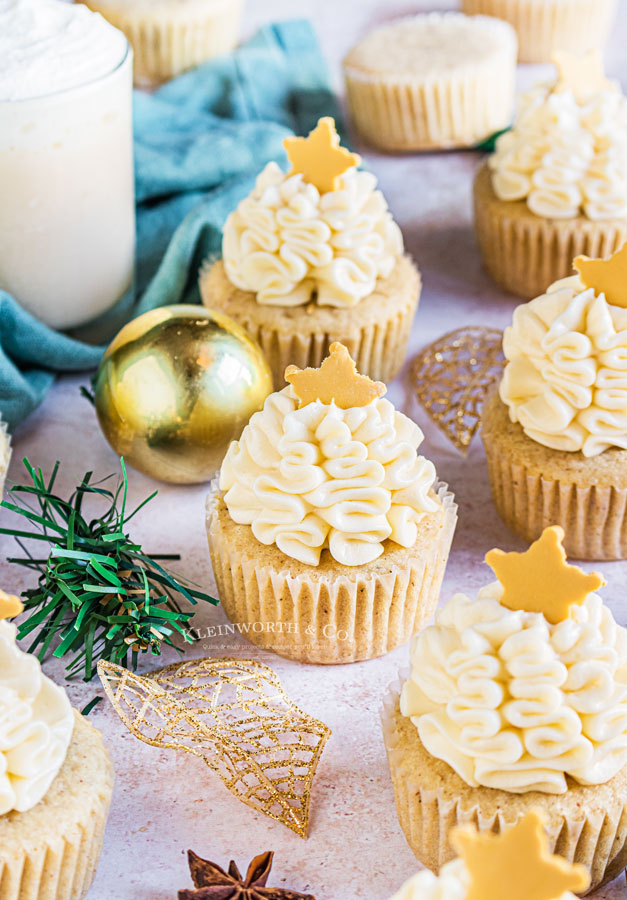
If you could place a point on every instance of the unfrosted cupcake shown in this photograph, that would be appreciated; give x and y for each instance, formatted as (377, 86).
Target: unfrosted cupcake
(313, 256)
(544, 26)
(55, 781)
(329, 535)
(433, 81)
(517, 700)
(516, 865)
(556, 186)
(555, 428)
(170, 36)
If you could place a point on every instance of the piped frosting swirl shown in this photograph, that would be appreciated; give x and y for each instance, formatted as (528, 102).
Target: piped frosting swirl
(511, 701)
(290, 244)
(565, 156)
(322, 477)
(565, 380)
(36, 725)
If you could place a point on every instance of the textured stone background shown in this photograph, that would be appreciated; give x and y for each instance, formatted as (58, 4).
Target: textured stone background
(165, 802)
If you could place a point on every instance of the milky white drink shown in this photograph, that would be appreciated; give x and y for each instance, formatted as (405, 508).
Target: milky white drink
(67, 220)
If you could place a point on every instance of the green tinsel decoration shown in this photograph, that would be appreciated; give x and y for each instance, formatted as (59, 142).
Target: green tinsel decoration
(489, 144)
(98, 592)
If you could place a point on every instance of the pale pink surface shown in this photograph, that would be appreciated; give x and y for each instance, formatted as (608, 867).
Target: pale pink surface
(165, 802)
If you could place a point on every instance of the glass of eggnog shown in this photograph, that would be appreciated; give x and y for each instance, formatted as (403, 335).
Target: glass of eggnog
(67, 210)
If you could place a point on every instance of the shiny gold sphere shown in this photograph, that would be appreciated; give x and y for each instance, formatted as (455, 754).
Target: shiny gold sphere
(175, 387)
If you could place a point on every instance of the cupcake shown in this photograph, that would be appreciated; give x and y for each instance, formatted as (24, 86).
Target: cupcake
(544, 26)
(517, 701)
(555, 427)
(170, 36)
(328, 534)
(56, 781)
(515, 865)
(433, 81)
(312, 257)
(556, 186)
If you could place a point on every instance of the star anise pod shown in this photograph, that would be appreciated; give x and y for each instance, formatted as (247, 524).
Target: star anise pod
(213, 883)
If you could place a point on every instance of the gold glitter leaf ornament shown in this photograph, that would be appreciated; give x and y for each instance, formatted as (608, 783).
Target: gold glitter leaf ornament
(234, 715)
(451, 377)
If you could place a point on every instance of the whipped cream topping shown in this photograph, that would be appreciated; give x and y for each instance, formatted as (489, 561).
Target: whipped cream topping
(565, 158)
(565, 380)
(451, 884)
(324, 477)
(511, 701)
(47, 46)
(36, 725)
(289, 244)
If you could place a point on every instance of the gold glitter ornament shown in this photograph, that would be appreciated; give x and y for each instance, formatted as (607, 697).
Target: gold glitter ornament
(451, 377)
(175, 387)
(234, 715)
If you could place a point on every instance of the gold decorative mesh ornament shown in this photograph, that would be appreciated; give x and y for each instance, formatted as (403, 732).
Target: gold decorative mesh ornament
(234, 715)
(451, 377)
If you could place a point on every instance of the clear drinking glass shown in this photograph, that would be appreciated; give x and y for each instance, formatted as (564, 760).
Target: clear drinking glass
(67, 199)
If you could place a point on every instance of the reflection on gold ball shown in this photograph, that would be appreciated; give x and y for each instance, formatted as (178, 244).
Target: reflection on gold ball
(175, 387)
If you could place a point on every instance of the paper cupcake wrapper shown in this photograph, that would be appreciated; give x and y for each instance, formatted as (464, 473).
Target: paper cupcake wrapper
(60, 863)
(594, 517)
(166, 44)
(332, 619)
(5, 459)
(378, 347)
(68, 865)
(525, 253)
(543, 28)
(445, 110)
(597, 841)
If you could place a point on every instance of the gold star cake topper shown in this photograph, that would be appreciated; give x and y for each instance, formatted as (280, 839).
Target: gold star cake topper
(10, 606)
(540, 580)
(337, 379)
(606, 276)
(319, 158)
(582, 74)
(517, 864)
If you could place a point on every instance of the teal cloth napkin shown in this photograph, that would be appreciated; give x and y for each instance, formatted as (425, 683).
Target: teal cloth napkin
(200, 141)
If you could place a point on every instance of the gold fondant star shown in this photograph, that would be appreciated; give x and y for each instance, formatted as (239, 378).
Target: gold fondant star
(336, 379)
(606, 276)
(517, 864)
(10, 606)
(319, 158)
(540, 580)
(582, 74)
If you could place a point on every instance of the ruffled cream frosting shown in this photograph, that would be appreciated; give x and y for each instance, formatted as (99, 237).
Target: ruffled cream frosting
(565, 380)
(289, 244)
(565, 158)
(321, 477)
(36, 725)
(511, 701)
(451, 884)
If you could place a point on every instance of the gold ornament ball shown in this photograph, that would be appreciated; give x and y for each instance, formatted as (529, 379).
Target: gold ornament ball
(175, 387)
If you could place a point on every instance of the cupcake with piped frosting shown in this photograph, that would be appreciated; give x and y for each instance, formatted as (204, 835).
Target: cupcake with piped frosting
(56, 780)
(555, 426)
(328, 532)
(556, 186)
(313, 256)
(516, 701)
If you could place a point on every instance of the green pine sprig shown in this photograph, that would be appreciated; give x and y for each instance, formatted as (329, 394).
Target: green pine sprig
(98, 593)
